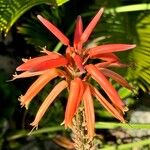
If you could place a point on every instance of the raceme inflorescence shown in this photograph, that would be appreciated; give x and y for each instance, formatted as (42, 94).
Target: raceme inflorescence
(77, 69)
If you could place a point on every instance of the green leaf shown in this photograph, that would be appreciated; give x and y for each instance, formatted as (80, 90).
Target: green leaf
(11, 10)
(137, 144)
(119, 9)
(113, 125)
(23, 133)
(131, 8)
(61, 2)
(124, 93)
(141, 56)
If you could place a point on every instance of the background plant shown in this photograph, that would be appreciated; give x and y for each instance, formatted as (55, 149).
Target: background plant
(124, 21)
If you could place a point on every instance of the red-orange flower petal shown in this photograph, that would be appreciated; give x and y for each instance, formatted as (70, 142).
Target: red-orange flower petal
(79, 63)
(109, 48)
(115, 76)
(85, 35)
(73, 100)
(110, 57)
(106, 85)
(47, 102)
(89, 112)
(29, 63)
(103, 64)
(48, 64)
(27, 74)
(48, 52)
(78, 33)
(118, 64)
(81, 91)
(110, 64)
(37, 86)
(54, 30)
(117, 114)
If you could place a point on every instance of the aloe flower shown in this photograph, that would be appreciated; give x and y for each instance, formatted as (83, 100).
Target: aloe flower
(76, 72)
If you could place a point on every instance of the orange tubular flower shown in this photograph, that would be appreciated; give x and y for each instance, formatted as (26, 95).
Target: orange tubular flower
(76, 71)
(49, 99)
(75, 96)
(89, 111)
(37, 86)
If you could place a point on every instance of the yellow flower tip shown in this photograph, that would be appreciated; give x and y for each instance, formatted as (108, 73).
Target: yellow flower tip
(14, 78)
(24, 60)
(34, 124)
(101, 10)
(126, 109)
(20, 98)
(65, 125)
(124, 121)
(91, 136)
(24, 105)
(44, 51)
(23, 102)
(62, 123)
(34, 127)
(68, 125)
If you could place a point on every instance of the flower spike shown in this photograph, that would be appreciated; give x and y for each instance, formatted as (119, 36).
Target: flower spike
(76, 67)
(54, 30)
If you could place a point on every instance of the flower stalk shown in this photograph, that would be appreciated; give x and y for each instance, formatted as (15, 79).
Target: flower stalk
(79, 131)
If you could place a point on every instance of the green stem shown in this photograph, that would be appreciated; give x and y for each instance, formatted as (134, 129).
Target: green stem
(122, 9)
(130, 8)
(137, 144)
(114, 125)
(24, 133)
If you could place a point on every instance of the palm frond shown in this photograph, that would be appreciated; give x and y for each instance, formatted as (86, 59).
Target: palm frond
(34, 32)
(11, 10)
(141, 56)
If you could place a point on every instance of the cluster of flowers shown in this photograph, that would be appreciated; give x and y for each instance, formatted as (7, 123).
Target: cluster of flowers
(76, 71)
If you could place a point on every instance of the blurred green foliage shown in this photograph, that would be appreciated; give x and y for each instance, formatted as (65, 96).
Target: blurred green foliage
(11, 10)
(123, 22)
